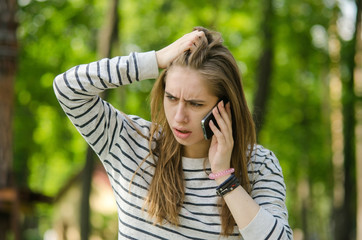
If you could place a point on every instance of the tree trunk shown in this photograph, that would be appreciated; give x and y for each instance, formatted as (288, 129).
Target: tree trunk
(109, 31)
(336, 118)
(349, 123)
(8, 53)
(357, 75)
(264, 71)
(86, 190)
(348, 109)
(107, 36)
(345, 154)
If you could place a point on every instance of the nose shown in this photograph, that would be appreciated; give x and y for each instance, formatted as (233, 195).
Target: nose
(181, 113)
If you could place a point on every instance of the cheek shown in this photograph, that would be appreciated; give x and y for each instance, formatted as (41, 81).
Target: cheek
(197, 121)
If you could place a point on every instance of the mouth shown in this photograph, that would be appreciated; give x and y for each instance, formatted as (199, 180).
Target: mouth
(181, 133)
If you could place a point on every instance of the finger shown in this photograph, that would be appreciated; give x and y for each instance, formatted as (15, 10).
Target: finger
(224, 129)
(169, 53)
(196, 39)
(218, 136)
(226, 111)
(224, 116)
(225, 126)
(191, 39)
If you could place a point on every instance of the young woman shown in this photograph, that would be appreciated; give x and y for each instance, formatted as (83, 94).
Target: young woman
(168, 180)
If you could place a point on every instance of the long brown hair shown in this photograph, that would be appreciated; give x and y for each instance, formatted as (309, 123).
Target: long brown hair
(218, 67)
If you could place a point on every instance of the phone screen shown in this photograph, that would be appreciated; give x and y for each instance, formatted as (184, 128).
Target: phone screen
(206, 120)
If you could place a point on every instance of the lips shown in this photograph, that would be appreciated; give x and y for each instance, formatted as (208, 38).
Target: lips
(181, 133)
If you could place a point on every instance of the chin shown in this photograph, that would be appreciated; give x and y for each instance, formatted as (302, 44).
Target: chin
(191, 142)
(183, 142)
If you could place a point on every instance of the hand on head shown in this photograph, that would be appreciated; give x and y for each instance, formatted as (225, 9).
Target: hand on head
(187, 42)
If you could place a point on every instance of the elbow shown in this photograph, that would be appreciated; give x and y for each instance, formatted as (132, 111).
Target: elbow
(57, 83)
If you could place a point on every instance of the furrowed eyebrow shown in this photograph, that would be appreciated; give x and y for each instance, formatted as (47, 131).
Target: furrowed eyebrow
(189, 100)
(195, 101)
(169, 94)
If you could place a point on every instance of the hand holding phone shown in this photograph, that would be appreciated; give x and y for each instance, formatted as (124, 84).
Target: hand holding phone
(206, 120)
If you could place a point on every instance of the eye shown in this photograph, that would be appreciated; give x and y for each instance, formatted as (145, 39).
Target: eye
(195, 104)
(171, 98)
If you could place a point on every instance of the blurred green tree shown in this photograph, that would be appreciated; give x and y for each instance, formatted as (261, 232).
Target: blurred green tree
(57, 35)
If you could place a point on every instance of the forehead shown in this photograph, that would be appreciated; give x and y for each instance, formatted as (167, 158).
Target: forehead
(186, 81)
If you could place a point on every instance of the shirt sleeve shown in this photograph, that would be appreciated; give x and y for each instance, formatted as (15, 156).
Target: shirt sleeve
(78, 88)
(269, 191)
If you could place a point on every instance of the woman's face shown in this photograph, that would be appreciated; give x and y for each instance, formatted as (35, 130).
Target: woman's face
(187, 100)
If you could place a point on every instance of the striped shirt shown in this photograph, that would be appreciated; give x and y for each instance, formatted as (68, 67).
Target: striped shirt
(121, 149)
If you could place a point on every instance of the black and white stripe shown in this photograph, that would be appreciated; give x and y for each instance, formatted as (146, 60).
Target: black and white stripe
(113, 137)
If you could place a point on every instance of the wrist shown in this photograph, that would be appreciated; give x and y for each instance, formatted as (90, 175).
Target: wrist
(160, 64)
(222, 179)
(221, 175)
(227, 186)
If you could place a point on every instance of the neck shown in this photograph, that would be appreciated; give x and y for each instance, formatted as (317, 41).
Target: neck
(196, 151)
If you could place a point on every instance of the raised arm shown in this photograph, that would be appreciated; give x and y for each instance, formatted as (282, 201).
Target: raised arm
(77, 89)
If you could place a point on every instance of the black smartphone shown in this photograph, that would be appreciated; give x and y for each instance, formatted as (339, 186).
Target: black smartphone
(206, 120)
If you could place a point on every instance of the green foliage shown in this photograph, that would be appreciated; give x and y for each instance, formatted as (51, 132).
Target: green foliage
(56, 35)
(53, 37)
